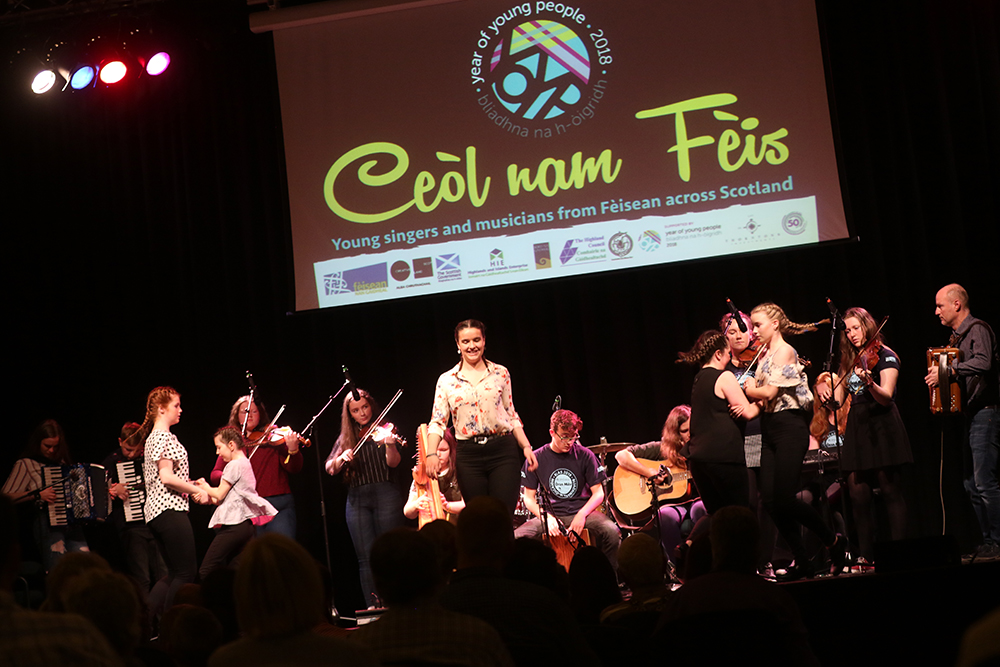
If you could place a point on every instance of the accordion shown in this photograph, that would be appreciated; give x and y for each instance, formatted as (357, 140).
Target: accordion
(81, 493)
(946, 397)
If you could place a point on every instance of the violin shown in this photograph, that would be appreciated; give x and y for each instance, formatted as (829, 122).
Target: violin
(747, 356)
(384, 432)
(867, 356)
(274, 436)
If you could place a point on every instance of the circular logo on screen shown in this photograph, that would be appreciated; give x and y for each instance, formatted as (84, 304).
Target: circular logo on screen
(620, 244)
(650, 240)
(400, 270)
(540, 69)
(793, 223)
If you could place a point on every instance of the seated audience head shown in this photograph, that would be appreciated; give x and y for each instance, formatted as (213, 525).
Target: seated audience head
(189, 634)
(444, 535)
(405, 567)
(735, 539)
(641, 563)
(279, 592)
(68, 568)
(593, 584)
(109, 601)
(485, 533)
(532, 561)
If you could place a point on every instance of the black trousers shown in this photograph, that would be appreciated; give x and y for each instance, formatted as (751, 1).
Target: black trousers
(173, 534)
(785, 439)
(493, 469)
(721, 484)
(226, 546)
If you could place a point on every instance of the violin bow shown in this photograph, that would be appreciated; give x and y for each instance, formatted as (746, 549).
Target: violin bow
(268, 429)
(378, 420)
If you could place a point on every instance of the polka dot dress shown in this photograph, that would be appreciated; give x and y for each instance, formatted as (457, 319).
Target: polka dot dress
(164, 445)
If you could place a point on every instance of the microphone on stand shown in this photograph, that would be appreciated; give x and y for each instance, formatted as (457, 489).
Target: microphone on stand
(838, 321)
(355, 394)
(736, 316)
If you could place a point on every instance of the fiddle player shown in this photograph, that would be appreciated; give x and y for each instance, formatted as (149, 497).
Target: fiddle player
(272, 462)
(977, 373)
(373, 500)
(876, 445)
(571, 476)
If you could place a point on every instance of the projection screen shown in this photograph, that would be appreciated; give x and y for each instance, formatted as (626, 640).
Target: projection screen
(439, 146)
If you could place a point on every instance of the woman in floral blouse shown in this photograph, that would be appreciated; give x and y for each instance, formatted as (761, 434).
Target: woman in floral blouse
(476, 396)
(783, 392)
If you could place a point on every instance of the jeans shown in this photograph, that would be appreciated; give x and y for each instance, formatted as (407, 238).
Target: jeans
(54, 541)
(372, 509)
(284, 521)
(981, 482)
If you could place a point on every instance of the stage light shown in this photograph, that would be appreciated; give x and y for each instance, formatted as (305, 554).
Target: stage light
(113, 71)
(43, 82)
(82, 77)
(158, 64)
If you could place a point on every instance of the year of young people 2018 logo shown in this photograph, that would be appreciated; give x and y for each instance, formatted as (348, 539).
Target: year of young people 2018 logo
(539, 69)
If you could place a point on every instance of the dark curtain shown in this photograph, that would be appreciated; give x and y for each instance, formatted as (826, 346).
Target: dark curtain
(147, 242)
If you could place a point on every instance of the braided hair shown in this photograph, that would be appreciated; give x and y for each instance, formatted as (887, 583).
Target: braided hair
(158, 398)
(708, 343)
(785, 326)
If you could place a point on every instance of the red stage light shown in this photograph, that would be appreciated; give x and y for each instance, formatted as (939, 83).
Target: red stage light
(113, 72)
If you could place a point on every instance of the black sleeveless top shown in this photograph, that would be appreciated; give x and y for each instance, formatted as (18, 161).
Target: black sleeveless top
(715, 437)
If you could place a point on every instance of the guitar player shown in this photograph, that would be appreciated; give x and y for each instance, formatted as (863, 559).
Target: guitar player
(677, 515)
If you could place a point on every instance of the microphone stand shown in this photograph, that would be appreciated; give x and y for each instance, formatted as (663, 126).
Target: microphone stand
(837, 323)
(320, 469)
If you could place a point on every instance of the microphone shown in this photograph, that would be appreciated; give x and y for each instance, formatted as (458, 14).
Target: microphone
(351, 386)
(250, 381)
(838, 320)
(557, 404)
(736, 315)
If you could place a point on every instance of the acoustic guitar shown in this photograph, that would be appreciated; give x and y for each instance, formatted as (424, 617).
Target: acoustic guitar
(632, 494)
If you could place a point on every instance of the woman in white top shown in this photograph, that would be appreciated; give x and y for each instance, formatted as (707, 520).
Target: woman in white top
(240, 507)
(47, 447)
(165, 470)
(476, 396)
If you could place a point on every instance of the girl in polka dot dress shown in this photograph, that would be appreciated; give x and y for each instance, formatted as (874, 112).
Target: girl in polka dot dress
(168, 488)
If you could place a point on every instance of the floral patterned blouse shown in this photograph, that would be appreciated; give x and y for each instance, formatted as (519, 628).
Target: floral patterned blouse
(791, 381)
(484, 408)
